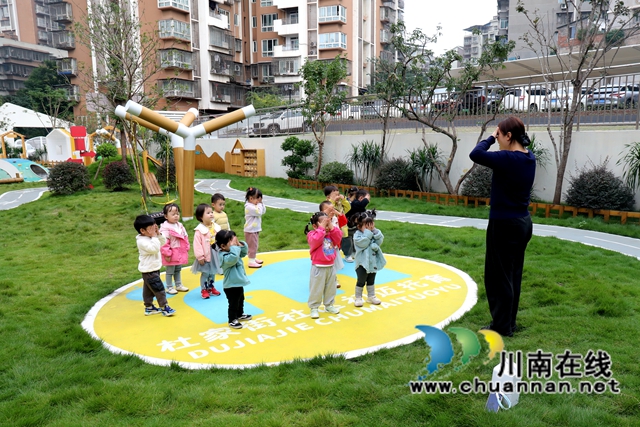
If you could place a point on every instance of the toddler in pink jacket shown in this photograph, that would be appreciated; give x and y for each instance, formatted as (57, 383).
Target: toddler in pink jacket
(323, 242)
(175, 252)
(207, 262)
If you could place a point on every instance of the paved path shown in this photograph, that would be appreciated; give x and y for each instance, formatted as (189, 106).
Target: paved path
(12, 199)
(624, 245)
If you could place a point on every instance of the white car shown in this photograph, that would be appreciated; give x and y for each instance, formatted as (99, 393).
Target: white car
(526, 98)
(563, 98)
(286, 121)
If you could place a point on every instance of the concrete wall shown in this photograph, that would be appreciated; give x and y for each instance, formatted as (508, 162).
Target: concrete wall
(588, 146)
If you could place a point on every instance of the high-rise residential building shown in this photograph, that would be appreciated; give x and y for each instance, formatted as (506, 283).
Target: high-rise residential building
(477, 36)
(212, 52)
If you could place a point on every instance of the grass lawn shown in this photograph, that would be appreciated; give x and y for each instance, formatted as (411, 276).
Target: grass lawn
(62, 254)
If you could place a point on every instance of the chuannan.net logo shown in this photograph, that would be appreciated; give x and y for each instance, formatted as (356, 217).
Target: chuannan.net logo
(441, 346)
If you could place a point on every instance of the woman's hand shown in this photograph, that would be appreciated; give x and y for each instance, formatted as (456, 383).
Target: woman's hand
(495, 133)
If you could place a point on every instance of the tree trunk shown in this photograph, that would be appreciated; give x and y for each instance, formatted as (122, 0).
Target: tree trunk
(562, 167)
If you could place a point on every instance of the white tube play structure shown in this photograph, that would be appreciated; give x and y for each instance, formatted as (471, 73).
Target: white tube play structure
(183, 140)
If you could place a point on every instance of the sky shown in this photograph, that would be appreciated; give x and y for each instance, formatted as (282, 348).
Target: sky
(452, 15)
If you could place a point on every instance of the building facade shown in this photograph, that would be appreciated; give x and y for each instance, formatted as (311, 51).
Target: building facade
(477, 36)
(212, 52)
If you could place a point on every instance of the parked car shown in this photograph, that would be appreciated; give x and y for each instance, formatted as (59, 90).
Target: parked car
(526, 98)
(563, 98)
(287, 121)
(627, 96)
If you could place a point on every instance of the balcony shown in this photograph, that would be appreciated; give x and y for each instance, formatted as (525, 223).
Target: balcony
(385, 36)
(286, 4)
(221, 98)
(400, 4)
(63, 40)
(62, 12)
(41, 10)
(389, 4)
(387, 15)
(67, 66)
(73, 93)
(286, 51)
(174, 58)
(181, 88)
(267, 80)
(286, 27)
(218, 20)
(178, 5)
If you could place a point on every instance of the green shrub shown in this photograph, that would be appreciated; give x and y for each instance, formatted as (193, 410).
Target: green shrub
(117, 176)
(599, 188)
(297, 160)
(396, 174)
(336, 173)
(478, 182)
(168, 183)
(68, 178)
(106, 150)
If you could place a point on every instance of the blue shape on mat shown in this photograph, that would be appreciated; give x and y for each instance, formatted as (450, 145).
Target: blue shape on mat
(289, 278)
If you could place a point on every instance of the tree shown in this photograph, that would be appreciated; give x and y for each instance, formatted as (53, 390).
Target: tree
(322, 96)
(602, 25)
(264, 98)
(411, 83)
(45, 91)
(126, 57)
(297, 160)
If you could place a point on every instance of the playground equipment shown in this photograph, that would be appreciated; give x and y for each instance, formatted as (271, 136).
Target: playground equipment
(183, 140)
(13, 135)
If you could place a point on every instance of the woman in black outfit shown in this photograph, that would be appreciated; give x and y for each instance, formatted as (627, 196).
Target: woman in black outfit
(509, 229)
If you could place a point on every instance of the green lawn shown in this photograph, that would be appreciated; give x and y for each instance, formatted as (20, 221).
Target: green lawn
(62, 254)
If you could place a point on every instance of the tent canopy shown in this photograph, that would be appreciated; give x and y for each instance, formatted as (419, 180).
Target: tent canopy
(625, 60)
(12, 116)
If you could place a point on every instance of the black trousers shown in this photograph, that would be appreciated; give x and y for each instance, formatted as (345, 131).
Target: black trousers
(235, 297)
(364, 278)
(507, 241)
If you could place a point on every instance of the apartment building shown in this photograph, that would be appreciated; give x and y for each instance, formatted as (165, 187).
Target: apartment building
(477, 36)
(212, 52)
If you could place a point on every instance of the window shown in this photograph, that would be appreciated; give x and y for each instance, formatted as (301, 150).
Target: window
(267, 21)
(236, 19)
(255, 47)
(254, 22)
(331, 40)
(176, 58)
(175, 29)
(288, 66)
(225, 13)
(504, 24)
(333, 13)
(266, 70)
(178, 4)
(267, 47)
(572, 32)
(218, 38)
(238, 45)
(266, 2)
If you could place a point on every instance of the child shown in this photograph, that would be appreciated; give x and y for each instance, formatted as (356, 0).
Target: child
(231, 253)
(219, 216)
(175, 252)
(149, 242)
(323, 241)
(253, 211)
(359, 200)
(337, 220)
(341, 204)
(369, 258)
(206, 262)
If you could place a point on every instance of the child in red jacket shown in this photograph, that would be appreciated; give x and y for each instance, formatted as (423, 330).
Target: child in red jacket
(175, 252)
(323, 243)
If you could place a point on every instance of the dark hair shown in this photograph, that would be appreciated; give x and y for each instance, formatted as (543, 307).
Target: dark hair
(361, 193)
(364, 218)
(200, 210)
(224, 236)
(516, 127)
(143, 221)
(330, 189)
(323, 204)
(253, 192)
(168, 207)
(352, 191)
(217, 197)
(313, 221)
